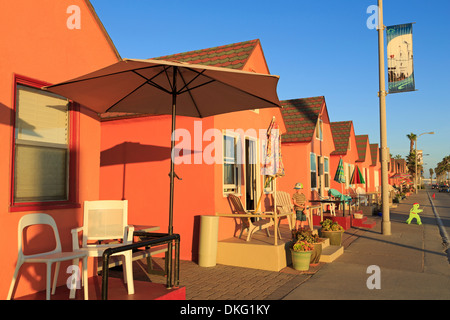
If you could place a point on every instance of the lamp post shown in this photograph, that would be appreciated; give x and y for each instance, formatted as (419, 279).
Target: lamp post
(415, 175)
(386, 223)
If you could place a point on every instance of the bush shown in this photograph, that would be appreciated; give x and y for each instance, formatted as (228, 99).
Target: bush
(305, 234)
(301, 246)
(330, 225)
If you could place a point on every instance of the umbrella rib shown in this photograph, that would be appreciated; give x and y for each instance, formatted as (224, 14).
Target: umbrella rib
(151, 82)
(187, 84)
(97, 77)
(190, 94)
(236, 88)
(126, 96)
(198, 86)
(168, 80)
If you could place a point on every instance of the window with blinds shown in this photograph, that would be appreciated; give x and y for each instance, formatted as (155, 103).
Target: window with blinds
(41, 158)
(231, 165)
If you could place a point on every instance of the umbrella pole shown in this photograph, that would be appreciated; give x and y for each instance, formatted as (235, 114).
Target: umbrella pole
(172, 174)
(172, 147)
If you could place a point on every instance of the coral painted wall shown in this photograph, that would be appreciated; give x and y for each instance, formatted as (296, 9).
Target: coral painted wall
(135, 166)
(38, 44)
(296, 158)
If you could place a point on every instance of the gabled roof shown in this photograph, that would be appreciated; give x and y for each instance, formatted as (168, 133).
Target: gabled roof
(102, 28)
(361, 145)
(300, 117)
(233, 56)
(374, 152)
(341, 131)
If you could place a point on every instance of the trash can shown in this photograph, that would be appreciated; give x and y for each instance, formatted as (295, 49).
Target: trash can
(207, 249)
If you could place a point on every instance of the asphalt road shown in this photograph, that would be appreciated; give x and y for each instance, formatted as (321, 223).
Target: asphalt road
(410, 264)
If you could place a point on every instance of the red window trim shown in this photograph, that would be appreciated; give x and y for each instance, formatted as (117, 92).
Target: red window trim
(74, 115)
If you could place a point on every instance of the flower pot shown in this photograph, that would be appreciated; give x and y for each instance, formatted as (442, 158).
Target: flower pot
(334, 236)
(301, 260)
(316, 253)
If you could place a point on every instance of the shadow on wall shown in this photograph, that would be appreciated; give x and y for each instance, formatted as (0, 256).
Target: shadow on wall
(6, 115)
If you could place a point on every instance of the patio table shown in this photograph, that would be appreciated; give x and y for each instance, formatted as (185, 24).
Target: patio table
(332, 201)
(148, 252)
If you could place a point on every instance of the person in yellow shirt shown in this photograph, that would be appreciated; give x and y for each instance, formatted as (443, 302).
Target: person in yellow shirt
(299, 201)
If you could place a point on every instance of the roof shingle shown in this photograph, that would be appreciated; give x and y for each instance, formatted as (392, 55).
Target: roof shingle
(374, 153)
(300, 117)
(341, 135)
(233, 56)
(361, 145)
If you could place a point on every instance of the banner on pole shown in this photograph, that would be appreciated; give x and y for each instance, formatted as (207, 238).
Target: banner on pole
(400, 58)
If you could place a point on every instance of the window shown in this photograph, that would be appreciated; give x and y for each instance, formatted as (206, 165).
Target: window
(231, 169)
(43, 161)
(366, 177)
(313, 171)
(319, 128)
(326, 172)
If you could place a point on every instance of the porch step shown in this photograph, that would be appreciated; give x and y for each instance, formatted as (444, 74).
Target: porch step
(362, 223)
(331, 253)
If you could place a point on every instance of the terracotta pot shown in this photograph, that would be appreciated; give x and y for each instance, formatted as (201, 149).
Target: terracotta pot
(316, 253)
(334, 236)
(301, 260)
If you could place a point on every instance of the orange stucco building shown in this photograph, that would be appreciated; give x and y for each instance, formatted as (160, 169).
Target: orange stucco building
(215, 156)
(345, 142)
(127, 156)
(375, 169)
(46, 43)
(306, 146)
(364, 161)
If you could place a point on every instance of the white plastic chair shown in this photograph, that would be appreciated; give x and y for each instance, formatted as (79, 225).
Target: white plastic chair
(106, 220)
(362, 198)
(50, 257)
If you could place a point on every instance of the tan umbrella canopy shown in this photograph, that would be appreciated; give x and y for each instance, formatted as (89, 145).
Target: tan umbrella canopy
(163, 87)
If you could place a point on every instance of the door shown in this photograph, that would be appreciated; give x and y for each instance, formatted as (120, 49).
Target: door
(250, 174)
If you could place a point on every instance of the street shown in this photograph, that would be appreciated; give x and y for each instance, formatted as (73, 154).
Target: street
(410, 264)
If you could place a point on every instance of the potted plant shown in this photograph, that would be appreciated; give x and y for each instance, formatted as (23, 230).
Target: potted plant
(306, 234)
(301, 255)
(333, 231)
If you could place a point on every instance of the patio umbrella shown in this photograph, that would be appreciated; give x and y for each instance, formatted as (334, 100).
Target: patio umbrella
(163, 87)
(400, 176)
(273, 162)
(272, 166)
(339, 176)
(357, 176)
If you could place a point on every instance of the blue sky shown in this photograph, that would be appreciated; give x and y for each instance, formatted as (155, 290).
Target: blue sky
(317, 48)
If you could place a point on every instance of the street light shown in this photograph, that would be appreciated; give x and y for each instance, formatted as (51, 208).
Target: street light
(415, 175)
(385, 223)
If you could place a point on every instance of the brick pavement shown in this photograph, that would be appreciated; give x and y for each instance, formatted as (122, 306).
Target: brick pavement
(224, 282)
(232, 283)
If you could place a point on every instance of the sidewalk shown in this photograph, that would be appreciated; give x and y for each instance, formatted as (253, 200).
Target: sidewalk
(412, 262)
(412, 265)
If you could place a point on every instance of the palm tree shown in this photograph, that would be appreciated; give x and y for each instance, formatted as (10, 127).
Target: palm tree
(431, 175)
(443, 168)
(412, 138)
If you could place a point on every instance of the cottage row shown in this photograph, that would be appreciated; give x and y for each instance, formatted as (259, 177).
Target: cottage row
(55, 156)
